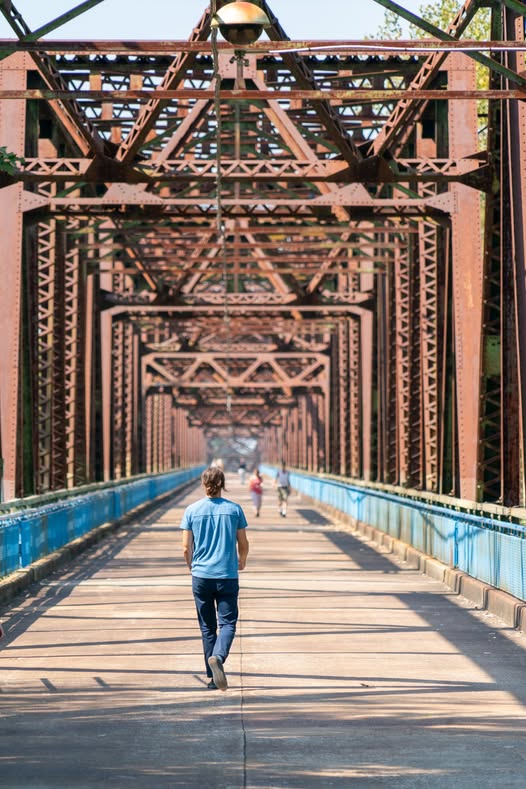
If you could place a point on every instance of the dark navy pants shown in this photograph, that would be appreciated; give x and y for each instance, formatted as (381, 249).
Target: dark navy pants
(216, 604)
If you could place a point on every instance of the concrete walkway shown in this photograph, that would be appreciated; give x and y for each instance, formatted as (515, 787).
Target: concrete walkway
(348, 670)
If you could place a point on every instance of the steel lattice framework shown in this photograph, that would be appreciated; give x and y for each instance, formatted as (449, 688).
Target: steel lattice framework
(369, 316)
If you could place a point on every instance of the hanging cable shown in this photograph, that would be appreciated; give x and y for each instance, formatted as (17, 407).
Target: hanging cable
(219, 208)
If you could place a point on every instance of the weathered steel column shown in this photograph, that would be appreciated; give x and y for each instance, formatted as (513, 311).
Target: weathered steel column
(291, 436)
(167, 432)
(314, 406)
(391, 438)
(13, 76)
(433, 262)
(361, 362)
(341, 405)
(179, 438)
(513, 419)
(366, 390)
(467, 278)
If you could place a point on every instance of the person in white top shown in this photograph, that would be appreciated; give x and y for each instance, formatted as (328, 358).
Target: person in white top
(283, 483)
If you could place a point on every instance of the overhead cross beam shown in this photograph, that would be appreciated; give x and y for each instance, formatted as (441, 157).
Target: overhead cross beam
(80, 129)
(149, 114)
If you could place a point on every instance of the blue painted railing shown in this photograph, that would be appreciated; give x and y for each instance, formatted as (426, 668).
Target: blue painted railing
(492, 550)
(31, 534)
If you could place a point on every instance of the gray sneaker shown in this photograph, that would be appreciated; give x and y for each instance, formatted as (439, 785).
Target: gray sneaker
(216, 664)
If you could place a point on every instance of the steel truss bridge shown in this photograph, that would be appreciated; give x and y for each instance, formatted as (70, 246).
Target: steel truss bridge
(360, 307)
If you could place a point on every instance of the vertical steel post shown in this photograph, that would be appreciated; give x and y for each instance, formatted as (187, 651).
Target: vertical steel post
(313, 399)
(513, 419)
(362, 351)
(432, 263)
(341, 405)
(467, 278)
(13, 76)
(366, 391)
(392, 440)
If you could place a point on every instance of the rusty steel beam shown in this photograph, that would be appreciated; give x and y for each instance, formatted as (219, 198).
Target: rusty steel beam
(12, 126)
(501, 417)
(356, 95)
(460, 22)
(215, 370)
(145, 310)
(438, 204)
(467, 287)
(29, 39)
(304, 77)
(269, 226)
(280, 267)
(514, 340)
(405, 114)
(305, 47)
(149, 113)
(342, 362)
(434, 270)
(70, 114)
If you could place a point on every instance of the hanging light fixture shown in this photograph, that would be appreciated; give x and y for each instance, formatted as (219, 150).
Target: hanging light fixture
(240, 23)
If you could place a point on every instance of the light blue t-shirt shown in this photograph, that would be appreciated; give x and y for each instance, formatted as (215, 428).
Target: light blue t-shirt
(214, 524)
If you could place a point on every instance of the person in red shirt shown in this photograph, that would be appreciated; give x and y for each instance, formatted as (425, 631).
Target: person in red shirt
(255, 486)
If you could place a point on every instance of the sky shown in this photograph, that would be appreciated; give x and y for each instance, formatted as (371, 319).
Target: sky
(175, 19)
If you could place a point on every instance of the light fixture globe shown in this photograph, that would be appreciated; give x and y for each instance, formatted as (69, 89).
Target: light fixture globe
(241, 23)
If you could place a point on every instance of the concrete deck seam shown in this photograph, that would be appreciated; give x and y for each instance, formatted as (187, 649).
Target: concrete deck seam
(242, 703)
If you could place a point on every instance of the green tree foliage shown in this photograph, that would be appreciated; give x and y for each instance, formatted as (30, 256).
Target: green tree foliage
(391, 28)
(441, 13)
(9, 162)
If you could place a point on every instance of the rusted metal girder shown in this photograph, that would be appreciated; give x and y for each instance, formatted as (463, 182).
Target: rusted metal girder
(304, 77)
(357, 95)
(313, 311)
(72, 117)
(219, 370)
(513, 419)
(405, 114)
(434, 260)
(341, 47)
(12, 126)
(467, 287)
(502, 364)
(438, 204)
(149, 114)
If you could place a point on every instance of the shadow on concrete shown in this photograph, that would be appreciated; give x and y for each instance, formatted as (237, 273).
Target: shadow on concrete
(313, 517)
(149, 732)
(47, 594)
(362, 554)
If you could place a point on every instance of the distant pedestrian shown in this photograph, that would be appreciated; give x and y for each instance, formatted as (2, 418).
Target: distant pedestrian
(242, 471)
(283, 483)
(215, 548)
(255, 486)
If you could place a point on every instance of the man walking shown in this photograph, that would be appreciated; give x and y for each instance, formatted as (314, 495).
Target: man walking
(215, 548)
(283, 483)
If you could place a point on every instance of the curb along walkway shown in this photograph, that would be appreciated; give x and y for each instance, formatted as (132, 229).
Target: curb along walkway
(349, 669)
